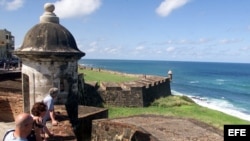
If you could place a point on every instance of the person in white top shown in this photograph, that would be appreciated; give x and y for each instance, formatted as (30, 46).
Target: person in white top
(49, 101)
(23, 127)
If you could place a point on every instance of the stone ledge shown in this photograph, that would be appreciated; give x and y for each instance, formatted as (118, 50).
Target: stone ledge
(154, 128)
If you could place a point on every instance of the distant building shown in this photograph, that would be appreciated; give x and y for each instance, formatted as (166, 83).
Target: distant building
(7, 44)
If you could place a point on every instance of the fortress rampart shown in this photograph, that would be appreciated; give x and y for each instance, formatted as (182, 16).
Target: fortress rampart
(139, 93)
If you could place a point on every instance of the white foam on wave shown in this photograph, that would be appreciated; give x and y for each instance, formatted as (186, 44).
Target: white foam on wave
(194, 82)
(87, 65)
(221, 80)
(221, 105)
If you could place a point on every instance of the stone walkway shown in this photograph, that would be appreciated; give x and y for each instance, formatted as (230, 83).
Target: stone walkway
(174, 129)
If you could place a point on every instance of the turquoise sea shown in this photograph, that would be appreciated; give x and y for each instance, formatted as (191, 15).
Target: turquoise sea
(221, 86)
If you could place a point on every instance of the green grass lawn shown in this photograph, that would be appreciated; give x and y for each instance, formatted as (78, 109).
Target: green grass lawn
(102, 76)
(178, 106)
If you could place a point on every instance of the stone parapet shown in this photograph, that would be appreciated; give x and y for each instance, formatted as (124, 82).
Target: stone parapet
(137, 93)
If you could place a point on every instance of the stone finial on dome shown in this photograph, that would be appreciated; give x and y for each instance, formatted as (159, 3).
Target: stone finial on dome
(48, 15)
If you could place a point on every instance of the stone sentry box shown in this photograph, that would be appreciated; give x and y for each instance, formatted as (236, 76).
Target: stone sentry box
(49, 57)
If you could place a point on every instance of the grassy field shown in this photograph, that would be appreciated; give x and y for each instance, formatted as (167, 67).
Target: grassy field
(177, 106)
(103, 76)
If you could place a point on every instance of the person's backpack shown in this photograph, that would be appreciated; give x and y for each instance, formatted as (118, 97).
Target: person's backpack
(31, 136)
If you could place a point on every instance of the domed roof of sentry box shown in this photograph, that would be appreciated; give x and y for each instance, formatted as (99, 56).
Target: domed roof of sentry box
(49, 38)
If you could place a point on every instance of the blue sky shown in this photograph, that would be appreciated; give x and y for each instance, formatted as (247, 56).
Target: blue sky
(176, 30)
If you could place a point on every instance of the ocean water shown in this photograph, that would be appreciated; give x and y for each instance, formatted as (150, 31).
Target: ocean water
(220, 86)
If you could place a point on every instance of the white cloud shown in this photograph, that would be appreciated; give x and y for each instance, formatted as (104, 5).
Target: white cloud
(167, 6)
(245, 49)
(12, 5)
(93, 44)
(229, 41)
(158, 52)
(111, 50)
(91, 47)
(94, 49)
(203, 40)
(170, 49)
(75, 8)
(141, 47)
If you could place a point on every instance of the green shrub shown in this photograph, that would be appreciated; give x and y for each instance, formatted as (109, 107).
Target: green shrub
(172, 101)
(187, 99)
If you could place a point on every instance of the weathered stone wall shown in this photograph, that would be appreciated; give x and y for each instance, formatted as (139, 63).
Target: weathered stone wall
(138, 93)
(114, 94)
(10, 106)
(155, 90)
(106, 130)
(39, 75)
(86, 115)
